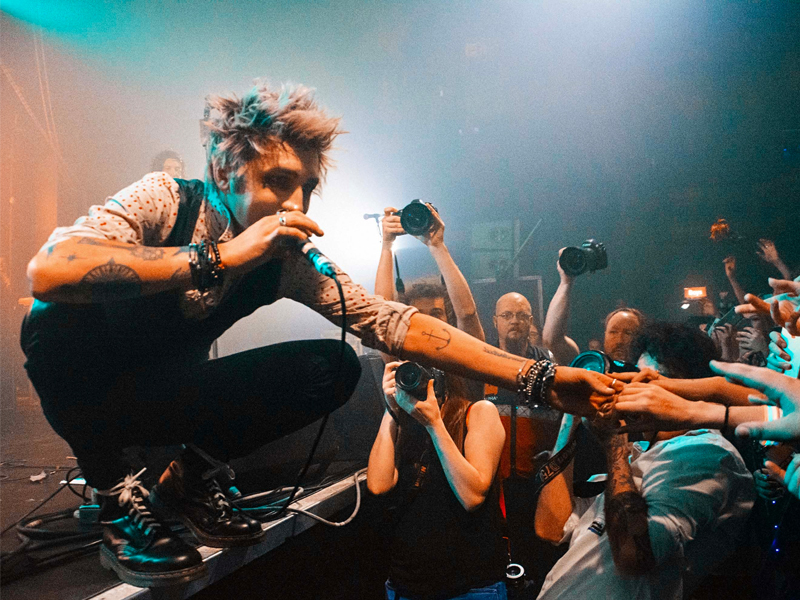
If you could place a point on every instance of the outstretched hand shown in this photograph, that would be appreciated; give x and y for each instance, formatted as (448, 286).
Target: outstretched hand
(647, 407)
(583, 393)
(777, 389)
(790, 477)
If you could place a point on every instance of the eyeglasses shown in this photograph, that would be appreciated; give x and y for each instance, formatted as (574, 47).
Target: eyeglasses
(520, 316)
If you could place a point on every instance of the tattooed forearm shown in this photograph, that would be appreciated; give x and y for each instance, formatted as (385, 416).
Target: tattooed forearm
(179, 273)
(626, 513)
(181, 250)
(110, 281)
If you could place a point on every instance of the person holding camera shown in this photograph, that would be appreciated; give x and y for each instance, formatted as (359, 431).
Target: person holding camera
(437, 454)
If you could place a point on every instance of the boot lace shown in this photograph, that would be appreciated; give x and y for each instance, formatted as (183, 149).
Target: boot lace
(218, 498)
(132, 494)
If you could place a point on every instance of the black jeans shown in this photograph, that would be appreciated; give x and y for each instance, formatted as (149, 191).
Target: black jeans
(229, 407)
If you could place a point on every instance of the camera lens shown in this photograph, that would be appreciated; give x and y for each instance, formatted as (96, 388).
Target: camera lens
(591, 360)
(412, 378)
(573, 261)
(416, 218)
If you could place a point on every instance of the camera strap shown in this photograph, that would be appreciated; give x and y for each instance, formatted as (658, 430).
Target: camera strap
(555, 465)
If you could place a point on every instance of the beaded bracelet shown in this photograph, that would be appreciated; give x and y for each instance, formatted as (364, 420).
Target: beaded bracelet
(536, 383)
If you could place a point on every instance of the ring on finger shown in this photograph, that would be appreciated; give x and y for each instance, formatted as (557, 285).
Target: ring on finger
(282, 218)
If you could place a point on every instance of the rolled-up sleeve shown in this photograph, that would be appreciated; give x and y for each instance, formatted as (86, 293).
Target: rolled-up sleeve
(379, 323)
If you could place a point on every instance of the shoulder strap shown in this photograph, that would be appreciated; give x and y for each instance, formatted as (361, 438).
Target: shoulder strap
(191, 198)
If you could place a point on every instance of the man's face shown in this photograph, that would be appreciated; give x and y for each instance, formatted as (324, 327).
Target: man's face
(620, 332)
(173, 167)
(433, 307)
(512, 318)
(283, 179)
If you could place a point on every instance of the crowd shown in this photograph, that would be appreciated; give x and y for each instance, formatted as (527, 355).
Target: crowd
(642, 475)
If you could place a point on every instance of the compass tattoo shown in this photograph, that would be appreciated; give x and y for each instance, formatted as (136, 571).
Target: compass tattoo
(111, 281)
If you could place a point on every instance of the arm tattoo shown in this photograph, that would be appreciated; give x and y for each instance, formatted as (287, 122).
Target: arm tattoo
(441, 341)
(626, 514)
(111, 281)
(500, 353)
(141, 252)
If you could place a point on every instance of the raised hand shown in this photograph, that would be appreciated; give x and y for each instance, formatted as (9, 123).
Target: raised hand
(390, 226)
(778, 390)
(435, 235)
(790, 477)
(767, 251)
(730, 266)
(751, 339)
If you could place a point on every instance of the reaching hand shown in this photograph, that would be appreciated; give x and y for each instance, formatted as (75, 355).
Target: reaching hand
(435, 235)
(730, 266)
(778, 359)
(751, 338)
(425, 412)
(390, 226)
(779, 390)
(645, 375)
(767, 251)
(783, 308)
(768, 486)
(646, 407)
(583, 393)
(789, 477)
(725, 340)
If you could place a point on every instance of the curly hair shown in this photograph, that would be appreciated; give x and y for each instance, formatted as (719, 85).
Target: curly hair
(239, 130)
(430, 287)
(682, 352)
(162, 157)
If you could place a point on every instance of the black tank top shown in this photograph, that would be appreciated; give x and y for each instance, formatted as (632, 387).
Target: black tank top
(439, 550)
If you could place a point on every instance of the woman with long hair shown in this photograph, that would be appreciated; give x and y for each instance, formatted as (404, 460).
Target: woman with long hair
(439, 458)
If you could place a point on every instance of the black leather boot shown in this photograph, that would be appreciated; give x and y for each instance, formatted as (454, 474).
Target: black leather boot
(137, 546)
(194, 497)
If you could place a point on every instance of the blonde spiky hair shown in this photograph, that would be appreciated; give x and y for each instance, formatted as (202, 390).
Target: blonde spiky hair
(238, 130)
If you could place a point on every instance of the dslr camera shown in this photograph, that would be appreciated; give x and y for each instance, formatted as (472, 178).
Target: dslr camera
(413, 378)
(416, 218)
(589, 256)
(600, 362)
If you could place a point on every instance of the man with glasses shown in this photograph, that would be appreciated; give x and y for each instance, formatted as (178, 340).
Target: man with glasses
(513, 320)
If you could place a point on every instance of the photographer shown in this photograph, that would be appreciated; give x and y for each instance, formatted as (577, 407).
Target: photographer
(554, 332)
(441, 461)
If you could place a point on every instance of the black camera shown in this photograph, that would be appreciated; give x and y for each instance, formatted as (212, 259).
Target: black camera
(590, 256)
(600, 362)
(416, 218)
(413, 378)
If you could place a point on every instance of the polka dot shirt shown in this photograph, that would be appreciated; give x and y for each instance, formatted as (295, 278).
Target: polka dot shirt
(145, 213)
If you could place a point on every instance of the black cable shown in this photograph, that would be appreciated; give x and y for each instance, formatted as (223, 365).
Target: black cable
(337, 384)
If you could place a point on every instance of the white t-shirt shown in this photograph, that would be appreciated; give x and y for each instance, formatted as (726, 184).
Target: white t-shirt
(698, 493)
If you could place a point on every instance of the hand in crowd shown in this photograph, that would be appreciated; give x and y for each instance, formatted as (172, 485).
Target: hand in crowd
(730, 266)
(752, 340)
(768, 486)
(646, 407)
(789, 477)
(778, 359)
(767, 251)
(777, 389)
(564, 277)
(725, 340)
(783, 307)
(390, 225)
(572, 387)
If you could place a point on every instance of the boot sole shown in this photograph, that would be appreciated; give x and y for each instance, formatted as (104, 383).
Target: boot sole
(146, 580)
(212, 541)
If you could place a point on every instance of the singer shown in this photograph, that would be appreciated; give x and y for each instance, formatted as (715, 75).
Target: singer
(130, 298)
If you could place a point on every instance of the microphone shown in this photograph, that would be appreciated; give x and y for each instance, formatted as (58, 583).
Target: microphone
(368, 216)
(321, 263)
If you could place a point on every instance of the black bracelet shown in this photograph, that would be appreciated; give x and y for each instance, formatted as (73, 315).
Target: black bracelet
(206, 266)
(725, 422)
(538, 381)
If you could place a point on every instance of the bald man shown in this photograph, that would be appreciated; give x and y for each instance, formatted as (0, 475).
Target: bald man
(513, 320)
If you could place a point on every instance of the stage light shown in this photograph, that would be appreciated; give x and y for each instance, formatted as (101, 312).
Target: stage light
(685, 305)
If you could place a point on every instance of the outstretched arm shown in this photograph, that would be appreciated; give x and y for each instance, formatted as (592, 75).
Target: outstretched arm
(390, 229)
